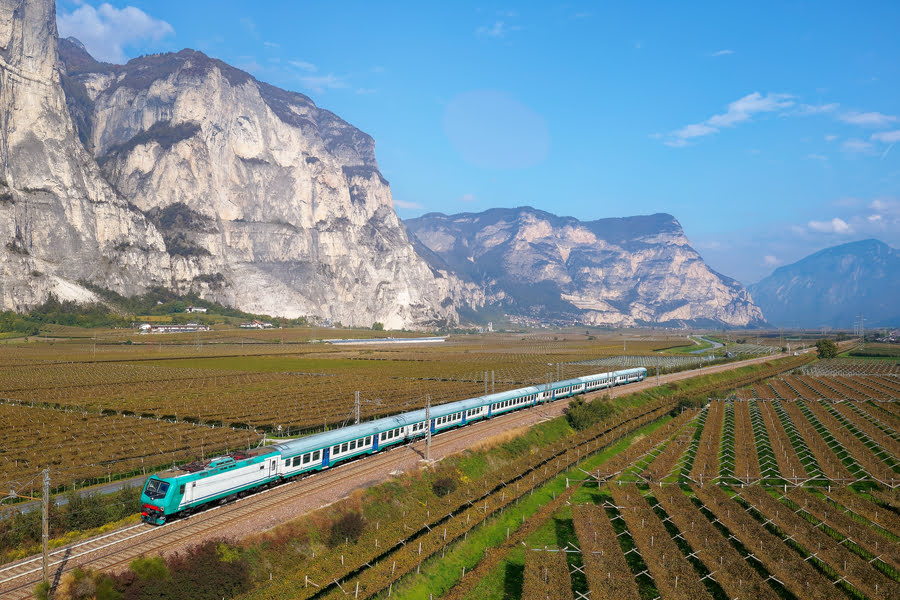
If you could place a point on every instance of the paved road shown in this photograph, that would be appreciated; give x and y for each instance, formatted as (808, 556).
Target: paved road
(62, 499)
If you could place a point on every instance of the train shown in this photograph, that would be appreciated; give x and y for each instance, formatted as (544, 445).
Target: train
(182, 490)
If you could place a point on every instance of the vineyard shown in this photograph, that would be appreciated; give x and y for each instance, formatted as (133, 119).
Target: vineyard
(785, 490)
(93, 411)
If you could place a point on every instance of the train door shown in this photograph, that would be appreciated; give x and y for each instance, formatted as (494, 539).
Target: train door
(273, 467)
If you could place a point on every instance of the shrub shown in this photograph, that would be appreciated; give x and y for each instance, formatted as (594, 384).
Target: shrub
(443, 486)
(149, 568)
(81, 584)
(347, 528)
(210, 571)
(581, 414)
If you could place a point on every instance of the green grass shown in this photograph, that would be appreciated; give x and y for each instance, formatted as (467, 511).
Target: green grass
(438, 576)
(691, 348)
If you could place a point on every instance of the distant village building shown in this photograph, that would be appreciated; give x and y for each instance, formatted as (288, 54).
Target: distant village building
(171, 328)
(195, 309)
(254, 324)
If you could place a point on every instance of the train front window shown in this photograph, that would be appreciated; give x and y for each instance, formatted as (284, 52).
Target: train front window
(157, 489)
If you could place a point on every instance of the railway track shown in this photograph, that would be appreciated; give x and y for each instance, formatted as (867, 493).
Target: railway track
(115, 550)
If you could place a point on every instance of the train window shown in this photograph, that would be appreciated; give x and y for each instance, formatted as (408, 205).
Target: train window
(181, 489)
(317, 455)
(344, 447)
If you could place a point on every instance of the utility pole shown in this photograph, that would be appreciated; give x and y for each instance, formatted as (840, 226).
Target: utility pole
(657, 370)
(485, 383)
(428, 428)
(45, 523)
(492, 381)
(356, 408)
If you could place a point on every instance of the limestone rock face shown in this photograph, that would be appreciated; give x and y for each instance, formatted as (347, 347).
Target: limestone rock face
(265, 201)
(180, 171)
(631, 271)
(60, 221)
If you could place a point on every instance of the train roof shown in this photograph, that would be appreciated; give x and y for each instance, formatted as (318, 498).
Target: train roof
(212, 463)
(353, 432)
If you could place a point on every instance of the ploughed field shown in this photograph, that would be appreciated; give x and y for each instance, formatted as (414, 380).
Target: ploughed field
(94, 411)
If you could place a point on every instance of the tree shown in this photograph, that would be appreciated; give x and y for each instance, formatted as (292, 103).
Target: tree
(826, 349)
(378, 326)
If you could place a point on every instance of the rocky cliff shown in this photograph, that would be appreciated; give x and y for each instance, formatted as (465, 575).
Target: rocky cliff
(60, 221)
(833, 286)
(631, 271)
(189, 173)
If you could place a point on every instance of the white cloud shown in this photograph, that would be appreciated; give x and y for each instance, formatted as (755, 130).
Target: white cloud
(365, 91)
(722, 53)
(770, 260)
(739, 111)
(817, 109)
(817, 157)
(407, 205)
(467, 198)
(744, 108)
(836, 225)
(869, 119)
(304, 66)
(886, 206)
(249, 64)
(106, 30)
(830, 137)
(272, 44)
(857, 145)
(321, 83)
(498, 30)
(888, 137)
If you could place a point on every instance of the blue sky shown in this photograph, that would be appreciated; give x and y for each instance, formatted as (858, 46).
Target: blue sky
(767, 129)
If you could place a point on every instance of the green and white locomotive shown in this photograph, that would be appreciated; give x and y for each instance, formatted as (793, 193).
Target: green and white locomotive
(182, 490)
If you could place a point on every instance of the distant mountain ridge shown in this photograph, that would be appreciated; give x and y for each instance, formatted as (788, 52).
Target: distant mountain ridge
(180, 171)
(627, 271)
(833, 286)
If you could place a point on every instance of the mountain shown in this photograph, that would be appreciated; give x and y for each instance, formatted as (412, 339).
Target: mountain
(179, 170)
(833, 286)
(60, 221)
(630, 271)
